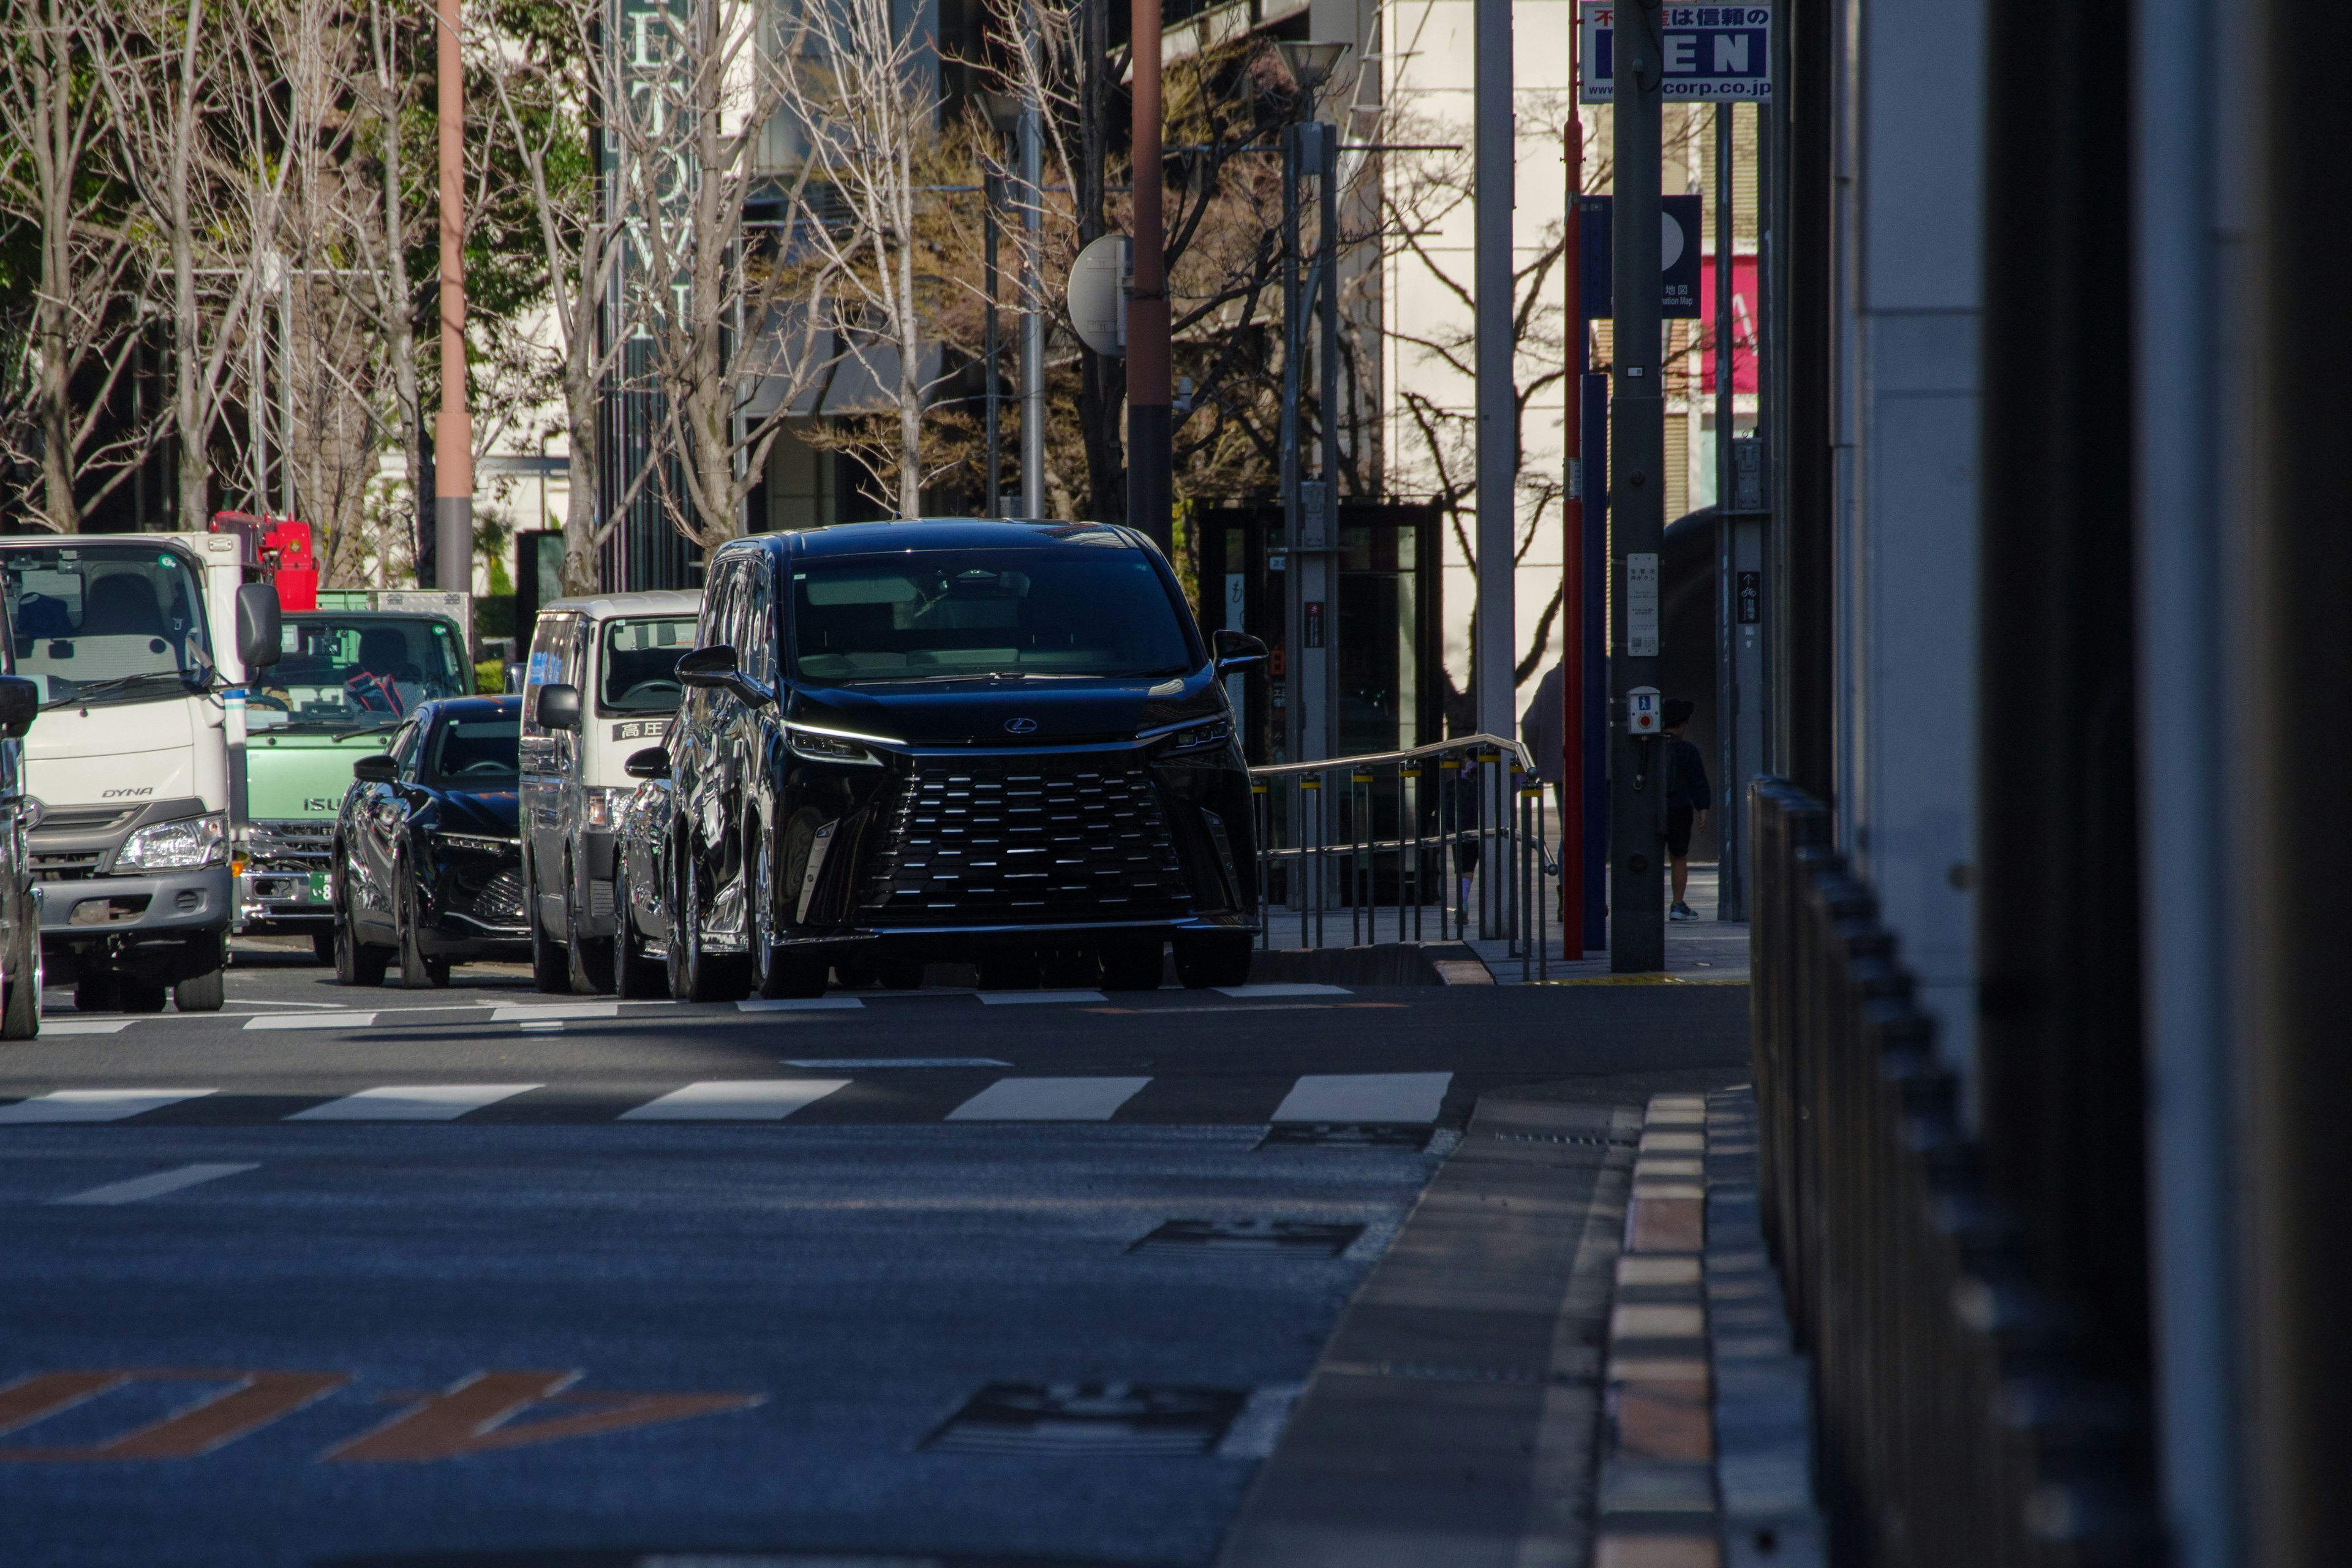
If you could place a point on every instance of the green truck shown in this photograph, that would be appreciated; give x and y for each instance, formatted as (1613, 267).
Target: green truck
(347, 673)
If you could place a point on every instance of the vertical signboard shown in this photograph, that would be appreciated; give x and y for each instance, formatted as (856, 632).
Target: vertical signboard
(1711, 53)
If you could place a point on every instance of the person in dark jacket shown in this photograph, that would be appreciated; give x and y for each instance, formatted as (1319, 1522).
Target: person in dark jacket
(1687, 799)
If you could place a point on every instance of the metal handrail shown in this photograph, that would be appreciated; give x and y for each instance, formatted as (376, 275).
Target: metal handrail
(1370, 759)
(1464, 814)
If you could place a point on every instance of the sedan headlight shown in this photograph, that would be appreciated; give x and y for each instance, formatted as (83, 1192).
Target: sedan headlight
(179, 845)
(478, 843)
(604, 805)
(1200, 736)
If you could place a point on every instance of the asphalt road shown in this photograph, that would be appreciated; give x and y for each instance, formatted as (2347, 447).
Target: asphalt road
(924, 1276)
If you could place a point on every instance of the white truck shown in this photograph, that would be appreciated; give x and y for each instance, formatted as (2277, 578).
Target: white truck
(140, 645)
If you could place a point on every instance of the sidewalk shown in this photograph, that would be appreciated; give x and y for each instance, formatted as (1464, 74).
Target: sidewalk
(1702, 952)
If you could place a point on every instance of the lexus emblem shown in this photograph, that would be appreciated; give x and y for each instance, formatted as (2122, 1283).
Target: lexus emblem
(1020, 726)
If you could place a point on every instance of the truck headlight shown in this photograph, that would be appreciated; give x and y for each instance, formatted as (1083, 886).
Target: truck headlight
(179, 845)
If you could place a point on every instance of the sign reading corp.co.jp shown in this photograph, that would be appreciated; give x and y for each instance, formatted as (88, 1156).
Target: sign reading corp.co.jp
(1708, 52)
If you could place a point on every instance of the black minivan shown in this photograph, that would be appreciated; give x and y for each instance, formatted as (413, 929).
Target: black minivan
(1000, 743)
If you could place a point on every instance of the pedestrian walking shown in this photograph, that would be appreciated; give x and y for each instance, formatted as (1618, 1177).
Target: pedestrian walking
(1540, 731)
(1687, 799)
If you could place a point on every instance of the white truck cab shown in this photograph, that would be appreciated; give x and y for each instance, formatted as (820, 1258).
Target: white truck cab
(140, 645)
(601, 683)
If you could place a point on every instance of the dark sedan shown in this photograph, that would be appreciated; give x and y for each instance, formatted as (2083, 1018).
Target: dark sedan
(994, 742)
(428, 858)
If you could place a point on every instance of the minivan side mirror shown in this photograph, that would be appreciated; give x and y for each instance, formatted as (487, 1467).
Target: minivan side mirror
(377, 769)
(653, 763)
(19, 701)
(258, 627)
(1236, 650)
(559, 707)
(709, 666)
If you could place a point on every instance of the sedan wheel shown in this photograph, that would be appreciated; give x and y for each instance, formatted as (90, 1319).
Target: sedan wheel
(419, 970)
(356, 963)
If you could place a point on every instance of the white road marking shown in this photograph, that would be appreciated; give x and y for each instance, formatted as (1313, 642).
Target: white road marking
(157, 1185)
(796, 1004)
(556, 1013)
(86, 1026)
(857, 1064)
(1286, 988)
(413, 1102)
(736, 1099)
(1365, 1096)
(1004, 998)
(96, 1104)
(310, 1021)
(1049, 1099)
(543, 1026)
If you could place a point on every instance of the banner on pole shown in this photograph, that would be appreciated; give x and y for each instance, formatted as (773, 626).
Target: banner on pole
(1679, 270)
(1710, 53)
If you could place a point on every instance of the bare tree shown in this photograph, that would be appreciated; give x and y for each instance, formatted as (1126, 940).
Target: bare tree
(84, 327)
(725, 314)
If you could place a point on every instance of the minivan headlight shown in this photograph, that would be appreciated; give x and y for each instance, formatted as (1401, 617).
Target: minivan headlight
(179, 845)
(1200, 736)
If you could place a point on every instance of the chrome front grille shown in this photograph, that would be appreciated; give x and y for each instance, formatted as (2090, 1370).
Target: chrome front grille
(291, 846)
(988, 840)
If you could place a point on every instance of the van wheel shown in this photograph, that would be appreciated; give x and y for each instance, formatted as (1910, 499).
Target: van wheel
(550, 966)
(201, 993)
(590, 966)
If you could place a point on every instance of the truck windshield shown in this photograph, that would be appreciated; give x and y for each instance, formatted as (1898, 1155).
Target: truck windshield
(106, 623)
(641, 664)
(356, 671)
(958, 614)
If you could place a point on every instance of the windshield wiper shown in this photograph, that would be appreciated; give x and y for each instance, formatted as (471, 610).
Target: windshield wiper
(85, 690)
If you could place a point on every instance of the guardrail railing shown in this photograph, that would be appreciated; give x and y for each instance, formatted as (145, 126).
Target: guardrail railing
(1967, 1415)
(1442, 841)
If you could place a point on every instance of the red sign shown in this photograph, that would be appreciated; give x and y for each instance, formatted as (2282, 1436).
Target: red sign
(1744, 317)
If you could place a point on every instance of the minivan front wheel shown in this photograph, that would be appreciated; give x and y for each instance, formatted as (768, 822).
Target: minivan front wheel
(779, 972)
(697, 974)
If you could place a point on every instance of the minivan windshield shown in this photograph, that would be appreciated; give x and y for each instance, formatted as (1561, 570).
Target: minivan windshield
(359, 671)
(106, 623)
(960, 614)
(641, 664)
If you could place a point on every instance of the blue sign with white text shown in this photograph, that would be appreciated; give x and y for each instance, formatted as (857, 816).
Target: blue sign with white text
(1710, 53)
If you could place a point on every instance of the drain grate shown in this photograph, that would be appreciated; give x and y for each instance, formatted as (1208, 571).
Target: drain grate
(1198, 1235)
(1347, 1135)
(1076, 1419)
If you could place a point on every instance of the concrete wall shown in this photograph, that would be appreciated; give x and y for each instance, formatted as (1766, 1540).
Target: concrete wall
(1909, 291)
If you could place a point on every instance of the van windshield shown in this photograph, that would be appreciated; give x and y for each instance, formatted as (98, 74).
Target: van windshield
(356, 671)
(641, 664)
(958, 615)
(106, 623)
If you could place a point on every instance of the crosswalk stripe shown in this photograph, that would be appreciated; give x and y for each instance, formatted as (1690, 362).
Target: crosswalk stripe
(797, 1004)
(1284, 988)
(1014, 998)
(96, 1104)
(1049, 1099)
(557, 1013)
(1365, 1096)
(310, 1021)
(155, 1186)
(413, 1102)
(86, 1026)
(737, 1100)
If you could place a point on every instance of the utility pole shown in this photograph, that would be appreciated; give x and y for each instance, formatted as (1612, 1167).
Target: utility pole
(1151, 454)
(1032, 317)
(453, 440)
(992, 351)
(1494, 149)
(1637, 776)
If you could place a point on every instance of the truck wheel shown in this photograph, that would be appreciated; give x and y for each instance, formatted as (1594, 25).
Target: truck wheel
(550, 966)
(1203, 962)
(20, 1018)
(201, 993)
(322, 946)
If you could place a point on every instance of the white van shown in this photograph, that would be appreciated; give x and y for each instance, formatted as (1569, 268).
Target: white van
(599, 682)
